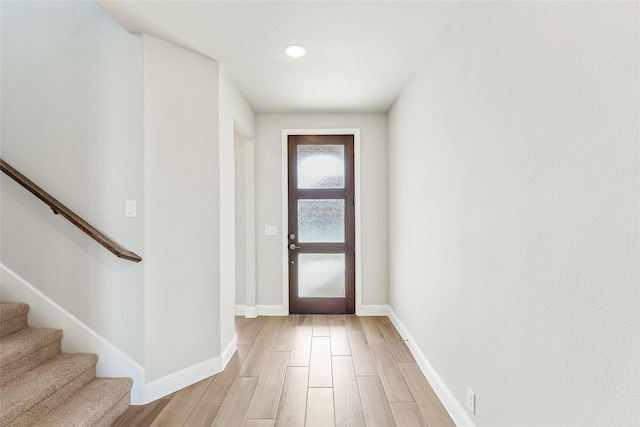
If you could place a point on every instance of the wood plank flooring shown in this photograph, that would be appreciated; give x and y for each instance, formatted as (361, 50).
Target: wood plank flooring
(305, 371)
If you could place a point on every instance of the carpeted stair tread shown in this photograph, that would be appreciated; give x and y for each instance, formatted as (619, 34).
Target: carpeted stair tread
(91, 406)
(30, 396)
(9, 310)
(27, 349)
(115, 412)
(18, 345)
(13, 317)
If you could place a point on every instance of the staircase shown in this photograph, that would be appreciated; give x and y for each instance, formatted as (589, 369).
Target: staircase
(40, 386)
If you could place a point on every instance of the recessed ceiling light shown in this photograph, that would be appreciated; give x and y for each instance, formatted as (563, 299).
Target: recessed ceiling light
(295, 50)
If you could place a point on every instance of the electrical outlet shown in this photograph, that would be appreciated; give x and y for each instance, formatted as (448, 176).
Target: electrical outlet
(471, 400)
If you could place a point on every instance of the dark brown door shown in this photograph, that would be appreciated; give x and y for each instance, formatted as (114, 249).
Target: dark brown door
(321, 224)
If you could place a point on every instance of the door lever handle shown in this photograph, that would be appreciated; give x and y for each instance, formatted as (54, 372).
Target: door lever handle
(292, 246)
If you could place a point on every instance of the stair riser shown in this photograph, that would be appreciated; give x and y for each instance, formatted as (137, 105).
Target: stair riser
(11, 326)
(19, 367)
(38, 411)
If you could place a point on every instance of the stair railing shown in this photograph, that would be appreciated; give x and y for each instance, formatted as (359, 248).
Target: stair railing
(59, 208)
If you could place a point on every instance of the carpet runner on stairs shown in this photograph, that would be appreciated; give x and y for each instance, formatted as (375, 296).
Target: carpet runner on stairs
(40, 386)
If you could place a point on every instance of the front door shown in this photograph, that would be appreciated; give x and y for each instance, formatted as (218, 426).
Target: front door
(321, 224)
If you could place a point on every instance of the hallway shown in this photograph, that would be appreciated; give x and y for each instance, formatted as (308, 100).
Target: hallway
(305, 370)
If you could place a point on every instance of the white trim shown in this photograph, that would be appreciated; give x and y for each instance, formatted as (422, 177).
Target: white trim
(191, 375)
(285, 207)
(250, 312)
(285, 219)
(282, 310)
(112, 362)
(451, 404)
(261, 310)
(373, 310)
(228, 351)
(273, 310)
(250, 226)
(358, 219)
(78, 337)
(182, 378)
(240, 310)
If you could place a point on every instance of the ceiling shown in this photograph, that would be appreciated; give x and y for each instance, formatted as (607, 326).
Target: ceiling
(360, 54)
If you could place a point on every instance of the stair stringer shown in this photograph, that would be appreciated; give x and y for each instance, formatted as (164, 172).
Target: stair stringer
(78, 337)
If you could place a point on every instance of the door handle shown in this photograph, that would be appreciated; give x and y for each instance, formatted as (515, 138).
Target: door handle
(292, 246)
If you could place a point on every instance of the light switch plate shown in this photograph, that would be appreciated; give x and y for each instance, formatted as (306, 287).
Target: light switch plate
(130, 208)
(271, 230)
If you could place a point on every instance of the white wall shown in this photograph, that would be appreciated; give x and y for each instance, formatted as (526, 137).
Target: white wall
(72, 121)
(514, 211)
(373, 137)
(182, 199)
(98, 116)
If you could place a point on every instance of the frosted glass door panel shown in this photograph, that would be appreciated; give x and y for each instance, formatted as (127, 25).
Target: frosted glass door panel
(320, 166)
(321, 275)
(321, 221)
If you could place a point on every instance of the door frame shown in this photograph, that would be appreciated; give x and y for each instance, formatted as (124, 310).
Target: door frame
(285, 206)
(250, 310)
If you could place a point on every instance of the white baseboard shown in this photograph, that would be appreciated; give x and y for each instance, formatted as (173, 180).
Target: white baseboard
(372, 310)
(281, 310)
(272, 310)
(77, 337)
(227, 353)
(261, 310)
(251, 312)
(181, 379)
(451, 404)
(112, 362)
(191, 375)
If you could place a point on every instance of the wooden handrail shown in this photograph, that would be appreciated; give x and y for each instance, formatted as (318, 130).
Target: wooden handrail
(59, 208)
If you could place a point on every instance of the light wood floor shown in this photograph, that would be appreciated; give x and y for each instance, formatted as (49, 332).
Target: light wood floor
(305, 371)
